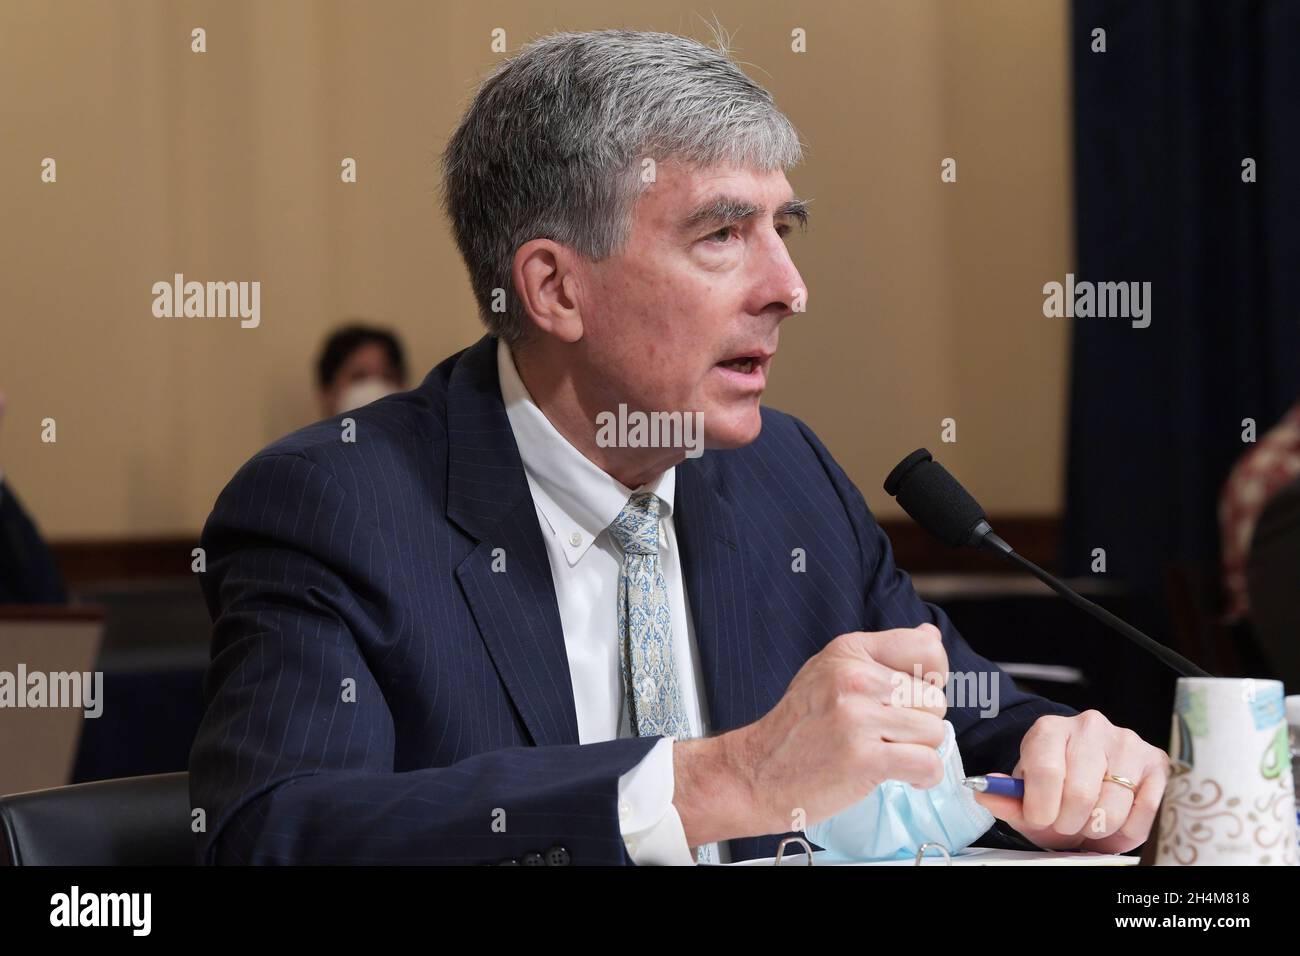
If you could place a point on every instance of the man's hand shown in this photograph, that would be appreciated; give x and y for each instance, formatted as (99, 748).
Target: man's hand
(1069, 804)
(853, 716)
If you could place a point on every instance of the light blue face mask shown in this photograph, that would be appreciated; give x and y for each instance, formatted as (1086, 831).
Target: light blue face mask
(895, 819)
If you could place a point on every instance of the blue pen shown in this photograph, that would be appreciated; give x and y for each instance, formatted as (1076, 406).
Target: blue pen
(1001, 786)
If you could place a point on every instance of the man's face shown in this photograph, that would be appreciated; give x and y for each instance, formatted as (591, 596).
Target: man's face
(685, 317)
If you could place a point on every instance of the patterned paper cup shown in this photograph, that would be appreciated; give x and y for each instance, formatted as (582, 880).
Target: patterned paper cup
(1230, 798)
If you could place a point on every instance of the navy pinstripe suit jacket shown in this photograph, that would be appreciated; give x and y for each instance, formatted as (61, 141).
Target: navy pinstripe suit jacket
(379, 694)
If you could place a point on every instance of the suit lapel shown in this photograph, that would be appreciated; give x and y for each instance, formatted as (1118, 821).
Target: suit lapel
(719, 580)
(507, 577)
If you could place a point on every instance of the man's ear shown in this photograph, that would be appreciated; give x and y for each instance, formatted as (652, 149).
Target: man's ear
(546, 284)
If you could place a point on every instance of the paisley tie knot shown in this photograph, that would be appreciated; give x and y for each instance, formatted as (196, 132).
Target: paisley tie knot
(636, 529)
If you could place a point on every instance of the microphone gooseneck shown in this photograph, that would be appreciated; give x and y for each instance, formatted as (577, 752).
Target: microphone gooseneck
(938, 502)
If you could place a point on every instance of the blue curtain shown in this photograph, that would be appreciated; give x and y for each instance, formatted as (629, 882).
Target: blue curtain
(1164, 118)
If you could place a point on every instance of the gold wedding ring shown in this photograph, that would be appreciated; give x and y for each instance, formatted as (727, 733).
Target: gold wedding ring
(1122, 781)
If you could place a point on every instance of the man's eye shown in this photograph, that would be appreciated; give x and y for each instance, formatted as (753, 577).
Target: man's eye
(722, 235)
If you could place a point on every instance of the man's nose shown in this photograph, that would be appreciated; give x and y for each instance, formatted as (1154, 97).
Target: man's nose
(781, 287)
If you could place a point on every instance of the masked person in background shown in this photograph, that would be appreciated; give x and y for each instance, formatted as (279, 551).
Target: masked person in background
(358, 364)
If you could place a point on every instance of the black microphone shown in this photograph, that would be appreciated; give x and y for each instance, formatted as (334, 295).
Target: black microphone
(937, 502)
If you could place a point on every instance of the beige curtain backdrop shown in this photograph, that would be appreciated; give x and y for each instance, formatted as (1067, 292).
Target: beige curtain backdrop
(925, 298)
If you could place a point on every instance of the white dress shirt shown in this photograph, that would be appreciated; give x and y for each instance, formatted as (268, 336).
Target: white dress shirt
(576, 502)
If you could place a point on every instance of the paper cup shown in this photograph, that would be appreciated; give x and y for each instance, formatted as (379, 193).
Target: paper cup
(1230, 799)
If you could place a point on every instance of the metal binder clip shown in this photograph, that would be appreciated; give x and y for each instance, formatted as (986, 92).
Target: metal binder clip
(920, 853)
(780, 849)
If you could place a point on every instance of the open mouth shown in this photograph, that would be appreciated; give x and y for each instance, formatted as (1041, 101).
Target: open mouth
(745, 372)
(744, 364)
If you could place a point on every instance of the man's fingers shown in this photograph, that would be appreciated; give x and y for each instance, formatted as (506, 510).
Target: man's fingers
(1117, 802)
(1142, 814)
(1003, 807)
(908, 648)
(903, 725)
(1043, 766)
(899, 648)
(908, 693)
(1068, 802)
(903, 668)
(1011, 811)
(1085, 766)
(917, 764)
(1113, 808)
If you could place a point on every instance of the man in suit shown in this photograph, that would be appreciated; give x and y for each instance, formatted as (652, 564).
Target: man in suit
(461, 625)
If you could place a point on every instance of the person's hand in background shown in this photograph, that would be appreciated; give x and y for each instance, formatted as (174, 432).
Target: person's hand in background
(1070, 801)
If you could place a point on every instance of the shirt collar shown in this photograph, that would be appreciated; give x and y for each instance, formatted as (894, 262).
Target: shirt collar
(577, 499)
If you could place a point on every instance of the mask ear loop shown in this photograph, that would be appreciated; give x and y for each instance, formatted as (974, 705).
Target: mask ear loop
(920, 853)
(780, 849)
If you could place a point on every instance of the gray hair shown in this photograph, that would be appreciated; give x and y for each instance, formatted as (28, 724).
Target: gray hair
(553, 143)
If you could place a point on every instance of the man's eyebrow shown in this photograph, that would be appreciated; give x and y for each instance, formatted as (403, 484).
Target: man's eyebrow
(728, 210)
(794, 208)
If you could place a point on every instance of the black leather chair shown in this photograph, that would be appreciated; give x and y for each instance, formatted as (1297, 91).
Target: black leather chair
(133, 821)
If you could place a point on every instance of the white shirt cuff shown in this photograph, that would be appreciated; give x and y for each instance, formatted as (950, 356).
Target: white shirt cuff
(652, 831)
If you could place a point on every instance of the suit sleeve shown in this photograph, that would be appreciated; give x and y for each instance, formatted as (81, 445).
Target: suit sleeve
(294, 763)
(988, 712)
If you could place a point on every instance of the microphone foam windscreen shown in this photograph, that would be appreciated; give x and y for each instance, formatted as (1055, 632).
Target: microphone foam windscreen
(935, 499)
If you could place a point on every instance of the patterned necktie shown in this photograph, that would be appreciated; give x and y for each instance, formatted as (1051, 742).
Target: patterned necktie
(645, 650)
(645, 653)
